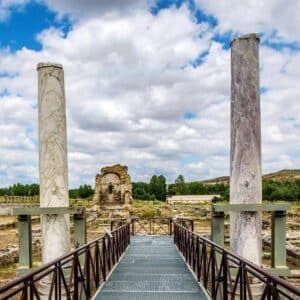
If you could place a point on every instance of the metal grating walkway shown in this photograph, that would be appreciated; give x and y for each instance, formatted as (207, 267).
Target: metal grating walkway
(151, 269)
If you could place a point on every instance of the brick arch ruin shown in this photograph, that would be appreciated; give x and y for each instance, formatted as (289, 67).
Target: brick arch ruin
(113, 186)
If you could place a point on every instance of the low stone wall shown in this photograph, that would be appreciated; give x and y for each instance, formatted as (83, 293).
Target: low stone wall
(11, 253)
(35, 200)
(191, 198)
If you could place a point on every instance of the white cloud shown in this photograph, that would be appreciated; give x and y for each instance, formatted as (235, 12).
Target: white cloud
(277, 19)
(79, 9)
(129, 83)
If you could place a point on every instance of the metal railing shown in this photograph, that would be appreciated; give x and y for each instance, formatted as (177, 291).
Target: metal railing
(76, 275)
(187, 223)
(151, 226)
(146, 226)
(226, 275)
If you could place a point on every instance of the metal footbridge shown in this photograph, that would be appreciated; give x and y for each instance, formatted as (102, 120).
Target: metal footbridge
(157, 258)
(151, 269)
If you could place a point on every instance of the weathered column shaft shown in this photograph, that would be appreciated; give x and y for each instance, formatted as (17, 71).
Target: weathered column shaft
(53, 165)
(245, 156)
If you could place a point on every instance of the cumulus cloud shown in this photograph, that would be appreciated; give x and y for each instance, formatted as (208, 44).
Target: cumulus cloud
(276, 19)
(78, 9)
(135, 96)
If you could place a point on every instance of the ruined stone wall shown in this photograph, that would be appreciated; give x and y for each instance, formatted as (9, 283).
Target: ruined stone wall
(113, 186)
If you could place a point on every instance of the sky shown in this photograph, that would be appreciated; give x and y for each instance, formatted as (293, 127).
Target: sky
(147, 84)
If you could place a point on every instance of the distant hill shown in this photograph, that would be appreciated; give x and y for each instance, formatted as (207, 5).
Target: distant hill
(282, 175)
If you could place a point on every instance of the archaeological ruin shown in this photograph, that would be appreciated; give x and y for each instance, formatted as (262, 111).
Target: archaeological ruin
(154, 230)
(113, 186)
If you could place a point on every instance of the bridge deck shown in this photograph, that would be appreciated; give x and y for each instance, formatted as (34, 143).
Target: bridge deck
(151, 269)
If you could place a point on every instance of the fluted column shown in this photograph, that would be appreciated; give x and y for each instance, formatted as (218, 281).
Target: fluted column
(245, 161)
(53, 165)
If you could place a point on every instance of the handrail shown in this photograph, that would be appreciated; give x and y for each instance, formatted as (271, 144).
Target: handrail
(146, 225)
(227, 275)
(152, 225)
(185, 222)
(76, 275)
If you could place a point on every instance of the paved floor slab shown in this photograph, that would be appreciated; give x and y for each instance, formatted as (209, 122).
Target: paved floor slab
(151, 269)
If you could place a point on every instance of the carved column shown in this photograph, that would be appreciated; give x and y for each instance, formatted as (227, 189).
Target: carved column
(53, 165)
(245, 160)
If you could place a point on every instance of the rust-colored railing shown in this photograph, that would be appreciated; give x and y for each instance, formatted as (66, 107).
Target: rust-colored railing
(76, 275)
(151, 226)
(146, 226)
(226, 275)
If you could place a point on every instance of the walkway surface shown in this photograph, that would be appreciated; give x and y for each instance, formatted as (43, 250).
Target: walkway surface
(151, 269)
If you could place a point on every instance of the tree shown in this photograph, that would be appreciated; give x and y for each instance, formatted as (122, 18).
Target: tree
(179, 179)
(141, 190)
(73, 194)
(157, 187)
(153, 185)
(180, 186)
(161, 188)
(85, 191)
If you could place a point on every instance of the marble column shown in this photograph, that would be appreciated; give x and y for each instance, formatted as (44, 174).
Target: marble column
(245, 156)
(53, 164)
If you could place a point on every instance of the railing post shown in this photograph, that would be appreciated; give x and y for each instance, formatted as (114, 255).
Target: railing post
(104, 259)
(108, 253)
(213, 273)
(132, 227)
(278, 250)
(111, 225)
(76, 281)
(25, 243)
(128, 233)
(225, 276)
(198, 258)
(97, 262)
(88, 272)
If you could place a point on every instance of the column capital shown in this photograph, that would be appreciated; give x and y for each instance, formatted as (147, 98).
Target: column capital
(48, 65)
(248, 36)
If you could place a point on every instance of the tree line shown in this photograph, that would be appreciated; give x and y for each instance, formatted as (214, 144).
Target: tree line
(157, 189)
(180, 187)
(19, 189)
(83, 191)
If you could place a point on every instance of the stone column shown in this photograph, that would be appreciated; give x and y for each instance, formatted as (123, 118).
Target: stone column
(53, 165)
(245, 156)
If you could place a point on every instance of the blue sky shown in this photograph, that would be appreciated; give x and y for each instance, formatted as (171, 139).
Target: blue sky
(22, 26)
(147, 84)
